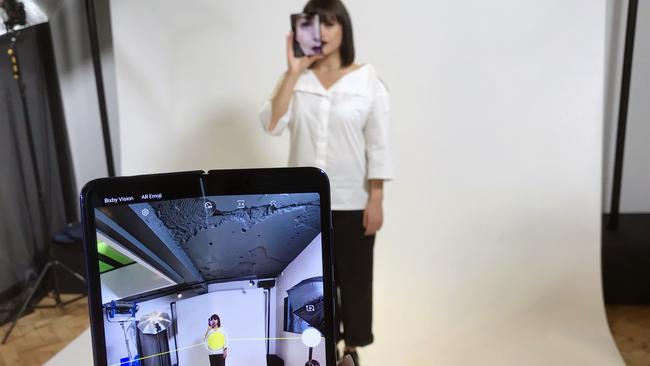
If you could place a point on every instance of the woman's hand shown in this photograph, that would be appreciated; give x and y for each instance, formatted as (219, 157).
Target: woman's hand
(225, 353)
(296, 65)
(373, 215)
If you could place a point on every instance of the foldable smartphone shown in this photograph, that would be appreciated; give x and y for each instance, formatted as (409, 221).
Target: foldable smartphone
(226, 267)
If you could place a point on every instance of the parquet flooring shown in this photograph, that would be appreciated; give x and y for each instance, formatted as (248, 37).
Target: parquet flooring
(41, 334)
(44, 332)
(630, 326)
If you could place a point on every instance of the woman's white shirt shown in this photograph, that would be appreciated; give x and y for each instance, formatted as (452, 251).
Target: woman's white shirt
(343, 130)
(218, 351)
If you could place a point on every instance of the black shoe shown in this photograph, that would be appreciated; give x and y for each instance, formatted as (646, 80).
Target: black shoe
(354, 355)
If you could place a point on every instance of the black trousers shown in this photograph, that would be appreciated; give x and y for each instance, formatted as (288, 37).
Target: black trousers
(353, 265)
(217, 360)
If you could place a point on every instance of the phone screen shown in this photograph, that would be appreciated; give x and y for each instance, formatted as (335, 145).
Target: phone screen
(306, 35)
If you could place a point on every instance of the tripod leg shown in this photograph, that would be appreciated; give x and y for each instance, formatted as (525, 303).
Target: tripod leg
(70, 270)
(77, 276)
(59, 303)
(27, 301)
(55, 286)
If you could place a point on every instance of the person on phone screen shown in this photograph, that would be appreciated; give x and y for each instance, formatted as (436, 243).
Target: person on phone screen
(308, 34)
(216, 341)
(337, 112)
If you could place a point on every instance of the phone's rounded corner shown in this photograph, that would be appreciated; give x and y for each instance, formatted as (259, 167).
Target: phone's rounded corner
(87, 191)
(88, 188)
(320, 175)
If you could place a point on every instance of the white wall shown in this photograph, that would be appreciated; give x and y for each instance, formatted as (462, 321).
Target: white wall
(245, 285)
(635, 194)
(490, 252)
(242, 316)
(306, 265)
(189, 86)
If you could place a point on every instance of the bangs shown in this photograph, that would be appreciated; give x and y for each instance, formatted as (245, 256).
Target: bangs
(328, 18)
(328, 11)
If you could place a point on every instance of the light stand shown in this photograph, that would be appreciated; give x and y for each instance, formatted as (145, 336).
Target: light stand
(52, 264)
(122, 313)
(614, 211)
(99, 81)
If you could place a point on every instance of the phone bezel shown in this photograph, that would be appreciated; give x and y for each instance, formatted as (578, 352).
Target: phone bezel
(197, 184)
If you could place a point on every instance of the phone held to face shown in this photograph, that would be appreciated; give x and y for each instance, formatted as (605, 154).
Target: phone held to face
(306, 35)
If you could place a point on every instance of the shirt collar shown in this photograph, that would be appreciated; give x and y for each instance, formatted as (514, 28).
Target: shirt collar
(355, 82)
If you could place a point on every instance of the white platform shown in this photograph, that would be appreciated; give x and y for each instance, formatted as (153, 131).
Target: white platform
(78, 352)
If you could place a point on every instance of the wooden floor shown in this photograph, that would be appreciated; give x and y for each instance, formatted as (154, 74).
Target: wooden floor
(630, 326)
(41, 334)
(44, 332)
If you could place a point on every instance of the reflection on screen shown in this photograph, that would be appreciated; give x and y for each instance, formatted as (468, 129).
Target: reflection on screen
(218, 280)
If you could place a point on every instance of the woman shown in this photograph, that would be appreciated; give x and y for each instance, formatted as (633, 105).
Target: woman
(216, 341)
(338, 114)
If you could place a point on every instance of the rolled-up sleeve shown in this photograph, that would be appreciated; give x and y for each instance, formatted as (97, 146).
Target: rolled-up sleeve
(378, 151)
(265, 115)
(265, 119)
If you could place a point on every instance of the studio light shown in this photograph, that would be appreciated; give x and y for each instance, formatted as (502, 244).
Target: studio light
(14, 14)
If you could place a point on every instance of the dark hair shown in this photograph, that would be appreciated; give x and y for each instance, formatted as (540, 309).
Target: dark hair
(216, 318)
(330, 10)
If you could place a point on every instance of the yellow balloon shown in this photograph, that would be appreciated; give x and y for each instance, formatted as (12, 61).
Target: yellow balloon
(216, 341)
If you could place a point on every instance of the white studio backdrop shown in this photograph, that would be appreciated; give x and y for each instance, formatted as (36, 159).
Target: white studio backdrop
(490, 252)
(242, 314)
